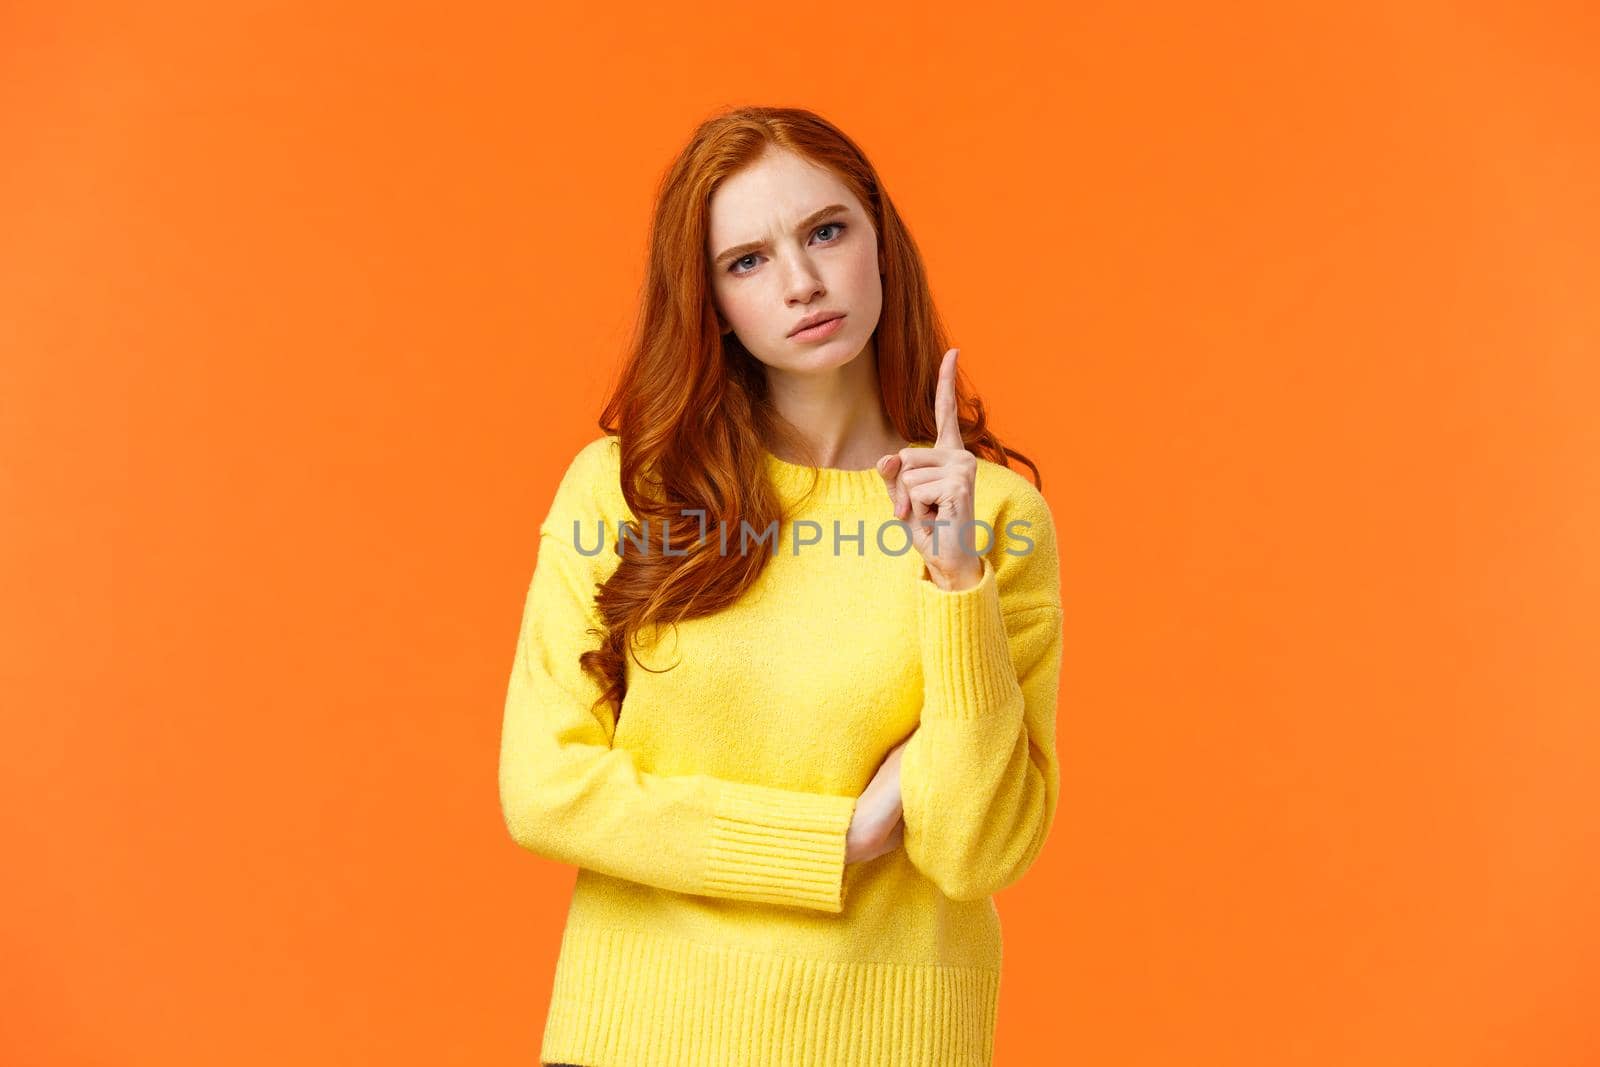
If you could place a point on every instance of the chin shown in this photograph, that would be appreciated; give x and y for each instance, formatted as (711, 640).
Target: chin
(837, 351)
(834, 352)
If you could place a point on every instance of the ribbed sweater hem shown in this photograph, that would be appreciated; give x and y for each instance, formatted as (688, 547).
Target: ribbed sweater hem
(632, 998)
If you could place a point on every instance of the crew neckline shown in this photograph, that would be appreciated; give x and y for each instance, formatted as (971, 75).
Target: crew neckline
(835, 485)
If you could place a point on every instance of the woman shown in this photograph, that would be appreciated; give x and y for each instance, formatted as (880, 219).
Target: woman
(785, 685)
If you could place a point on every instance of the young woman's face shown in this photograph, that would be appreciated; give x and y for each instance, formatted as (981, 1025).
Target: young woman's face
(788, 241)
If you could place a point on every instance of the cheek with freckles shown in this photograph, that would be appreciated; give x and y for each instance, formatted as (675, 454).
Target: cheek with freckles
(756, 311)
(741, 314)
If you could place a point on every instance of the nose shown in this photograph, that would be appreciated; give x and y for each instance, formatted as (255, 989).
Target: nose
(802, 281)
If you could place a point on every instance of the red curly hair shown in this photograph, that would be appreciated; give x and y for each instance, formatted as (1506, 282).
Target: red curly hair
(690, 407)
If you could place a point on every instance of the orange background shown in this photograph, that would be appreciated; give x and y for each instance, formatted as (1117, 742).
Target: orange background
(305, 308)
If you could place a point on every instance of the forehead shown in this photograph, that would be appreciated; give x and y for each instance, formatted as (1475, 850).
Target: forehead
(770, 196)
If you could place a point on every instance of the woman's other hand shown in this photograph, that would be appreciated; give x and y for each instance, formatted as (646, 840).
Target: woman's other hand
(877, 826)
(933, 489)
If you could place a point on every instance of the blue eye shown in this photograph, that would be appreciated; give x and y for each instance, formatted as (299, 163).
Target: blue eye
(819, 229)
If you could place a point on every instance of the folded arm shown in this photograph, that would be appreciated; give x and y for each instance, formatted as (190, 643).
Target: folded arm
(567, 794)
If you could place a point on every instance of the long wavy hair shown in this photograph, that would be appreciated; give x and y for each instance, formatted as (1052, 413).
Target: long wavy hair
(690, 407)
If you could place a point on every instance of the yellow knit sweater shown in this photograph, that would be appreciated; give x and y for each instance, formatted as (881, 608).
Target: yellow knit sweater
(714, 922)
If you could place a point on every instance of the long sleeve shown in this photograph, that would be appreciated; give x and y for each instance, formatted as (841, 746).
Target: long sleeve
(567, 794)
(979, 778)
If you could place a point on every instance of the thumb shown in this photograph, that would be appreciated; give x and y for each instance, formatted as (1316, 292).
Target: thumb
(889, 468)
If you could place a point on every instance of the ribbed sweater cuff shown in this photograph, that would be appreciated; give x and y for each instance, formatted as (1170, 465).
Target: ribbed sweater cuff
(966, 658)
(779, 846)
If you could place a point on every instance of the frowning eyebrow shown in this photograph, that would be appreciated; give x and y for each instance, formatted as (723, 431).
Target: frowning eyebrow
(805, 224)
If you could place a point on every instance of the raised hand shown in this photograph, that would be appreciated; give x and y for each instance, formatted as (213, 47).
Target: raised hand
(932, 489)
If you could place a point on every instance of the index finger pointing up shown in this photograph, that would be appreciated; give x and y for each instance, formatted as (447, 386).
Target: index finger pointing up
(946, 421)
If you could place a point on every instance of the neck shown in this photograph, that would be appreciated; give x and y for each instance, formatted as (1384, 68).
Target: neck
(838, 413)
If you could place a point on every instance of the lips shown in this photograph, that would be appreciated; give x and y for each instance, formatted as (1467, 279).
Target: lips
(816, 320)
